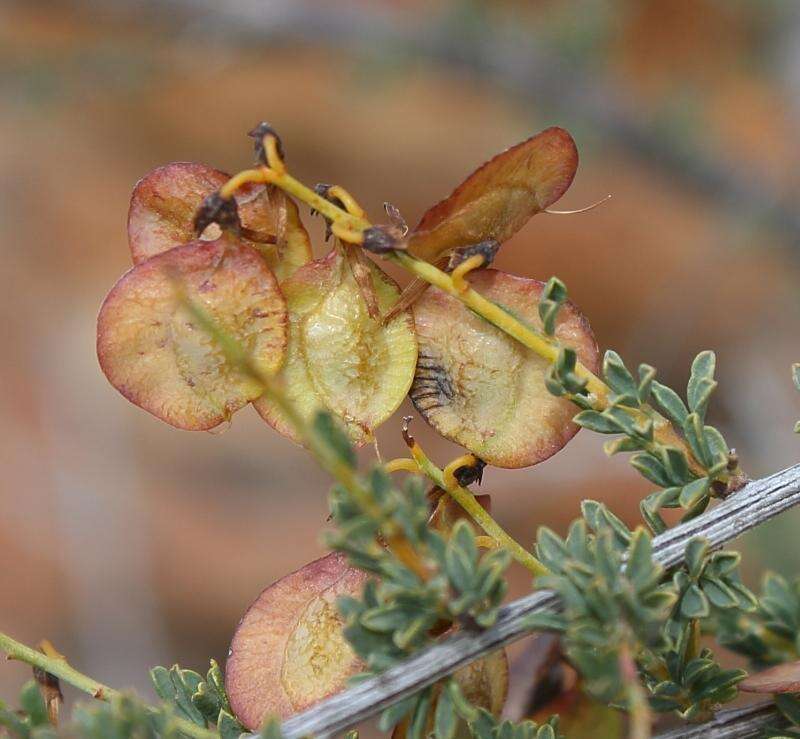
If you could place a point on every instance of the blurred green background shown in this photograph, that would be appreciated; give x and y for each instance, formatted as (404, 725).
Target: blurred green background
(128, 543)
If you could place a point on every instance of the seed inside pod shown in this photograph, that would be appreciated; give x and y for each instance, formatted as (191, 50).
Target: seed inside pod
(338, 357)
(289, 651)
(482, 389)
(154, 353)
(164, 202)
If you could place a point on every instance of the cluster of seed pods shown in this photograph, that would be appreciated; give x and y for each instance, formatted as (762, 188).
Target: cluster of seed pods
(309, 323)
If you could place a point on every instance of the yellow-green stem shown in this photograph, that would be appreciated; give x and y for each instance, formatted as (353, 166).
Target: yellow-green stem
(479, 514)
(467, 501)
(533, 340)
(528, 337)
(64, 671)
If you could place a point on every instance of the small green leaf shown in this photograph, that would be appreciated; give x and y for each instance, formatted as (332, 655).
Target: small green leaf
(639, 567)
(271, 728)
(617, 375)
(652, 518)
(796, 375)
(332, 434)
(32, 702)
(228, 727)
(651, 468)
(675, 464)
(694, 433)
(544, 621)
(719, 593)
(694, 603)
(597, 422)
(695, 554)
(419, 719)
(717, 445)
(670, 403)
(461, 704)
(551, 548)
(702, 374)
(395, 713)
(646, 376)
(162, 683)
(445, 720)
(624, 444)
(789, 706)
(693, 493)
(18, 727)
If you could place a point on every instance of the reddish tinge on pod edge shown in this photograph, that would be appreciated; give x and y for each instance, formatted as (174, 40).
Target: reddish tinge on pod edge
(482, 389)
(165, 200)
(153, 351)
(289, 651)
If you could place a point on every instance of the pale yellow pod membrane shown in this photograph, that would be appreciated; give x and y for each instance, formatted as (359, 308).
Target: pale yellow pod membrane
(152, 350)
(338, 357)
(482, 389)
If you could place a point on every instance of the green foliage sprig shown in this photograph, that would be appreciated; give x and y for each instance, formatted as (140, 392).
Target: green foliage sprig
(448, 583)
(617, 600)
(202, 701)
(770, 633)
(123, 717)
(611, 592)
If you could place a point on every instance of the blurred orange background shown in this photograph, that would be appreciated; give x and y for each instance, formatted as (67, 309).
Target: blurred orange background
(128, 543)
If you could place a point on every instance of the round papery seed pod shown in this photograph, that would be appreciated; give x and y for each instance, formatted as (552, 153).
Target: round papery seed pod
(152, 350)
(339, 358)
(289, 651)
(482, 389)
(484, 684)
(164, 203)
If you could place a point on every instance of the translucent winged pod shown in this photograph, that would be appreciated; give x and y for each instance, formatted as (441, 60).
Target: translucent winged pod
(483, 390)
(289, 651)
(484, 684)
(499, 197)
(338, 357)
(164, 203)
(496, 200)
(152, 351)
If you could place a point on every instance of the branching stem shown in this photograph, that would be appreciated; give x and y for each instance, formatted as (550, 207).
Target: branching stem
(58, 666)
(349, 227)
(477, 512)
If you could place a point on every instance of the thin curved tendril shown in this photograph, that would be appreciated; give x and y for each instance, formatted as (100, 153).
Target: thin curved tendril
(579, 210)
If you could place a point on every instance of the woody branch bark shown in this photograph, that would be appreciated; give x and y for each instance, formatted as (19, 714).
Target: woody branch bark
(755, 503)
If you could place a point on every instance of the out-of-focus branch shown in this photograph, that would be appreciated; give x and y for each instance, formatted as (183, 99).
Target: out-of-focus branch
(739, 723)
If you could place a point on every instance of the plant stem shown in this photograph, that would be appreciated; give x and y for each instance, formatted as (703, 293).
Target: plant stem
(537, 342)
(543, 346)
(64, 671)
(467, 501)
(478, 513)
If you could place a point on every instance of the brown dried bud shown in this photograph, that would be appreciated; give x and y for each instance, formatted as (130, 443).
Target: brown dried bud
(323, 190)
(258, 133)
(471, 473)
(216, 209)
(487, 249)
(378, 240)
